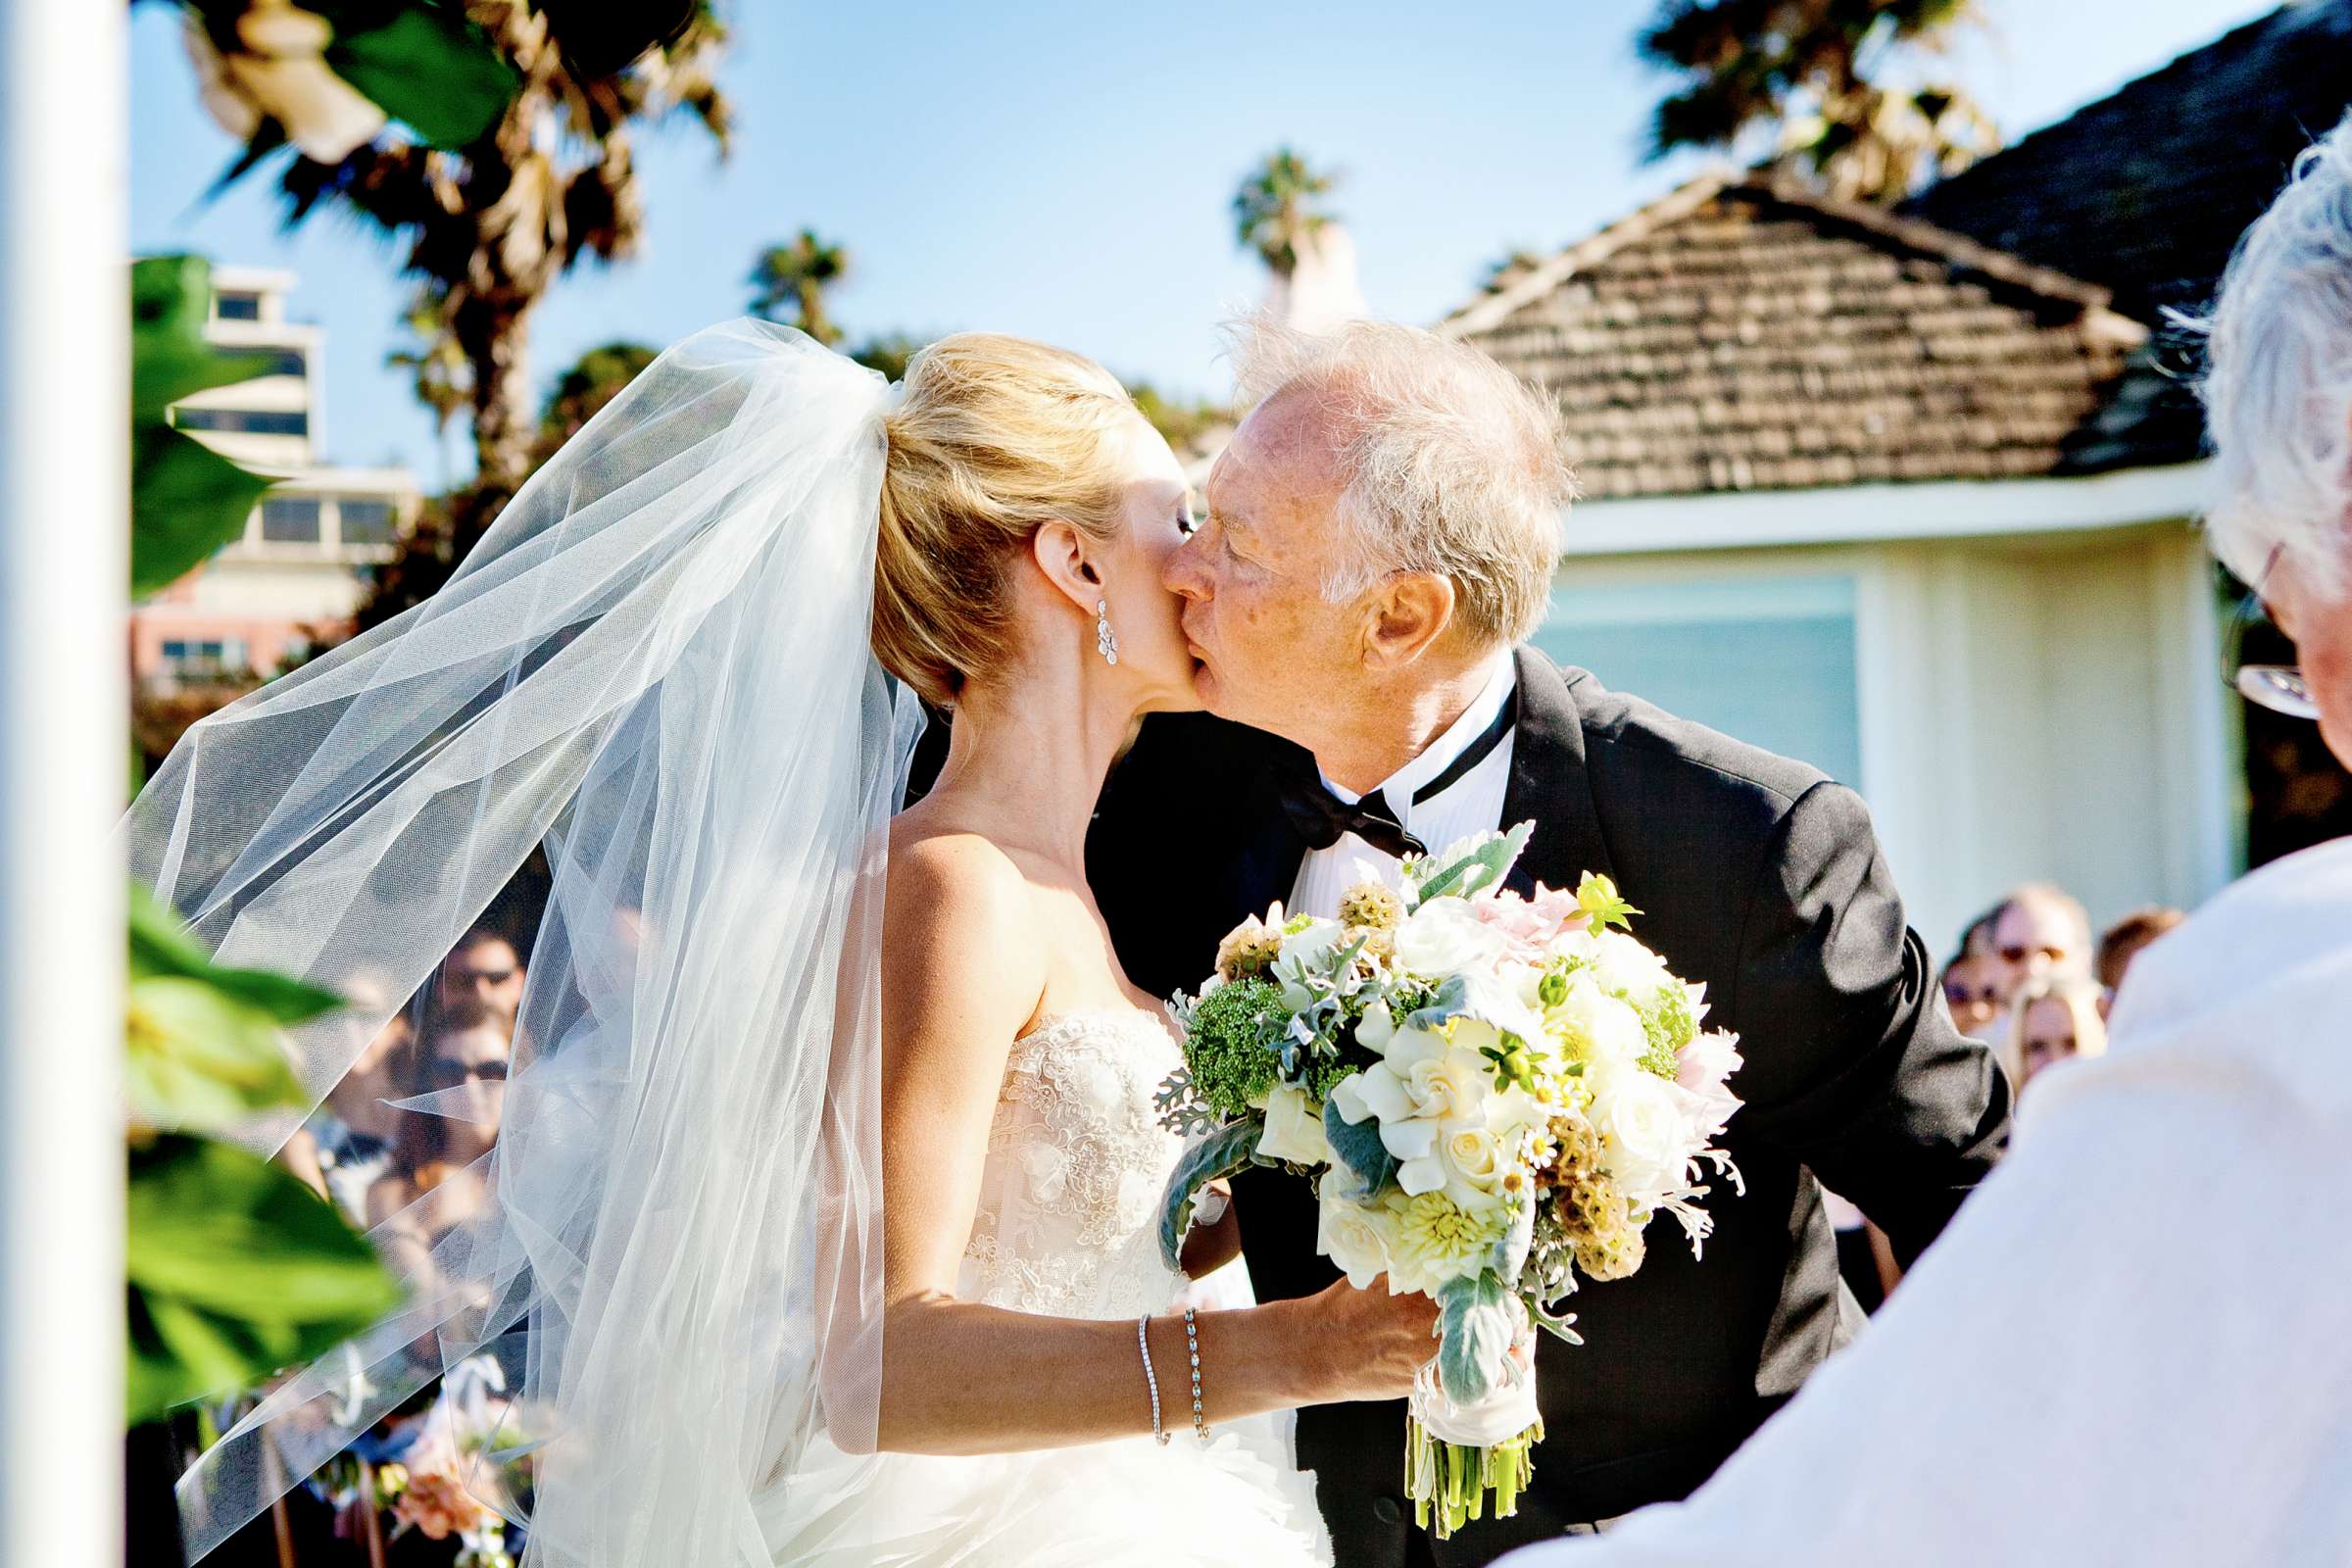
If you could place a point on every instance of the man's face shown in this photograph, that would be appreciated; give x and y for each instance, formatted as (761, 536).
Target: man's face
(482, 983)
(2035, 937)
(2321, 624)
(1272, 653)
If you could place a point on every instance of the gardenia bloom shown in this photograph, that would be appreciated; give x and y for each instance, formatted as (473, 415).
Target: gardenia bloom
(1352, 1236)
(1293, 1128)
(1422, 1081)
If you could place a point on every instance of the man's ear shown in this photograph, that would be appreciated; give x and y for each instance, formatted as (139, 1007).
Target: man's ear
(1404, 616)
(1067, 559)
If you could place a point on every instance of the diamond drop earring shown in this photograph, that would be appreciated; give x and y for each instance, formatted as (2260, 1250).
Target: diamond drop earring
(1107, 641)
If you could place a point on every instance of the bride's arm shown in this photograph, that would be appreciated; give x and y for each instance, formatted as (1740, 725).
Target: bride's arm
(962, 978)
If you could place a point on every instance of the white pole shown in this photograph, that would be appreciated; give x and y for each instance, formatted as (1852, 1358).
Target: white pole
(64, 759)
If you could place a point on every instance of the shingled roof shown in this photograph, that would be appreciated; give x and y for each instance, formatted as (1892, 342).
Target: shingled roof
(2147, 190)
(1745, 335)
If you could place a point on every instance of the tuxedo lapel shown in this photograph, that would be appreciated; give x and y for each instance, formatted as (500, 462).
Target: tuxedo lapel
(1549, 785)
(1266, 865)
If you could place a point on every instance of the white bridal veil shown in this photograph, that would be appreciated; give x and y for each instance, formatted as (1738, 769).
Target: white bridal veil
(657, 668)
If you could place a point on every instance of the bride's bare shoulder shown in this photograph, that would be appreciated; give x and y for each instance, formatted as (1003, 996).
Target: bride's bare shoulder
(954, 888)
(957, 912)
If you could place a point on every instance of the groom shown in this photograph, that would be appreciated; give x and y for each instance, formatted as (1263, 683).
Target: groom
(1380, 540)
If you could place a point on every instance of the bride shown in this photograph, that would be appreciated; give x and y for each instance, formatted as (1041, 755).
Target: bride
(822, 1224)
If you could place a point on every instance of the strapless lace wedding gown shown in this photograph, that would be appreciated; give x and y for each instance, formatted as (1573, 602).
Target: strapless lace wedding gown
(1067, 1226)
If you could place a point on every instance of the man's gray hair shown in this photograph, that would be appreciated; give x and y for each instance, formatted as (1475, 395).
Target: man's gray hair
(1449, 464)
(2278, 386)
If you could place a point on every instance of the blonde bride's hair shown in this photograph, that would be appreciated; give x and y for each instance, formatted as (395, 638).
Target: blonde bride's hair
(992, 438)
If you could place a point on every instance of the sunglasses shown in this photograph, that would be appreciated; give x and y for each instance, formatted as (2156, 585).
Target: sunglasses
(2280, 688)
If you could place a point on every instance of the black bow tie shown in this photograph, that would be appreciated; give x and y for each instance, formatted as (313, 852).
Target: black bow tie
(1321, 818)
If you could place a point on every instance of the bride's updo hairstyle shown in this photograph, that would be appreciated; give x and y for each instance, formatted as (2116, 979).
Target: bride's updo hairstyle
(992, 438)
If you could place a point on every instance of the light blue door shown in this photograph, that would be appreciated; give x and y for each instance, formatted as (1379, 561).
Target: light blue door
(1767, 659)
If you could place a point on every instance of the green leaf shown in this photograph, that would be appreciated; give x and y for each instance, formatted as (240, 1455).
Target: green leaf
(161, 946)
(1452, 1001)
(170, 298)
(1475, 1328)
(1483, 866)
(1228, 1149)
(236, 1270)
(1561, 1325)
(204, 1045)
(1359, 1149)
(186, 501)
(430, 70)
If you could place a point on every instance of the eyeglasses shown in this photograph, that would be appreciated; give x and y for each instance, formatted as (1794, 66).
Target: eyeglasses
(2280, 688)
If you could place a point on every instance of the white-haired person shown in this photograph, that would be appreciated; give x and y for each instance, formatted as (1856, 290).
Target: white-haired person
(2130, 1347)
(1379, 542)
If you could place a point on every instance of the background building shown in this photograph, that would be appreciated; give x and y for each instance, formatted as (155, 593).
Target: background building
(292, 582)
(1870, 494)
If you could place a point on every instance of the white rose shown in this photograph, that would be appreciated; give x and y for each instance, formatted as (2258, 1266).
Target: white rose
(1351, 1234)
(1644, 1133)
(1443, 936)
(1629, 967)
(1609, 1031)
(1293, 1128)
(1474, 1162)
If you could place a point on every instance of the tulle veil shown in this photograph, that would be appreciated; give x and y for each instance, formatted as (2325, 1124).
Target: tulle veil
(656, 670)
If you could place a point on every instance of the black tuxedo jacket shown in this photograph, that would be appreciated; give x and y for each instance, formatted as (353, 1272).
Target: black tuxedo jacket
(1754, 875)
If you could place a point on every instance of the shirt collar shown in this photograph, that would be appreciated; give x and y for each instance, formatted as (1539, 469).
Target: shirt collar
(1503, 678)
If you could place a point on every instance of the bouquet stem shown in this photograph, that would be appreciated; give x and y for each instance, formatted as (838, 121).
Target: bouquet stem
(1448, 1482)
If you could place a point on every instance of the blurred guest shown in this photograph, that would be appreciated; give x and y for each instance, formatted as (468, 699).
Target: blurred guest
(1972, 990)
(2125, 939)
(347, 1142)
(2038, 929)
(2054, 1017)
(2129, 1347)
(481, 980)
(358, 1128)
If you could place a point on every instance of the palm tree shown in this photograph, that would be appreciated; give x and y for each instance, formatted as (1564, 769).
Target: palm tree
(489, 228)
(437, 372)
(1811, 71)
(1275, 210)
(797, 274)
(595, 380)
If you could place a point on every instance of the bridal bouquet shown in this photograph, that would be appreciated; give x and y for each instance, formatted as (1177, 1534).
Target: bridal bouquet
(1489, 1093)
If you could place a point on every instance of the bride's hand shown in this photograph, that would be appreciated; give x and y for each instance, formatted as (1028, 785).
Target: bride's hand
(1373, 1343)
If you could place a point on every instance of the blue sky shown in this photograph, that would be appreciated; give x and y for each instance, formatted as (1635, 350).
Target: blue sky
(1062, 169)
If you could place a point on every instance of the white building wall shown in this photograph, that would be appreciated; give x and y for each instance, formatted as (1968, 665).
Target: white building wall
(2034, 708)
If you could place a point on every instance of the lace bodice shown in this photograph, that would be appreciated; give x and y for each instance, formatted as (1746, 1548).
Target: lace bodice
(1068, 1220)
